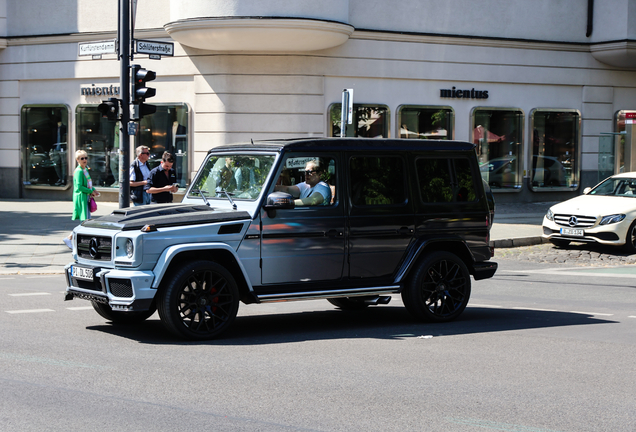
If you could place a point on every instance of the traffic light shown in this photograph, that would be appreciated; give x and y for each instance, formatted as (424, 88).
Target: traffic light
(109, 108)
(140, 92)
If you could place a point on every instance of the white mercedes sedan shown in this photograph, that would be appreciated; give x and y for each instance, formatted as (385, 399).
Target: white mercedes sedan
(604, 214)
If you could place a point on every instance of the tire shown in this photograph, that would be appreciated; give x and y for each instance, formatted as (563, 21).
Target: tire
(349, 303)
(199, 301)
(630, 239)
(118, 317)
(439, 289)
(560, 242)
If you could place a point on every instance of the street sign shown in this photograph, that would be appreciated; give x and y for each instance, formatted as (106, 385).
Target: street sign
(154, 48)
(97, 48)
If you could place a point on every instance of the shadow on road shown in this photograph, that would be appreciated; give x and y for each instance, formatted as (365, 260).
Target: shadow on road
(384, 322)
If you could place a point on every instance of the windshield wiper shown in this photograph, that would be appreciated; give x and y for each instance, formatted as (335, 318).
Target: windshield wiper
(223, 191)
(202, 193)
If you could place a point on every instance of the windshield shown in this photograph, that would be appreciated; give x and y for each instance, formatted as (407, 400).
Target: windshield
(241, 176)
(616, 187)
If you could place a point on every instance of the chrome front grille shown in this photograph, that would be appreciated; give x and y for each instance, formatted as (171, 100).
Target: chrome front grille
(97, 248)
(574, 221)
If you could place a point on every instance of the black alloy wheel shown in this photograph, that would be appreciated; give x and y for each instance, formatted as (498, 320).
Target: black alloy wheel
(118, 317)
(439, 289)
(199, 301)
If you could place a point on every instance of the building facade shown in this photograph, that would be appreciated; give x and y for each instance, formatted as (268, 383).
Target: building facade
(544, 88)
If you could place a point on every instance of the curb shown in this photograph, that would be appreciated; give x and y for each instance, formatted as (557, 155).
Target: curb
(518, 242)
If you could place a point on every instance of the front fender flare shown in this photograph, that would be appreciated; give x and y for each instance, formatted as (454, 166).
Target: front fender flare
(172, 251)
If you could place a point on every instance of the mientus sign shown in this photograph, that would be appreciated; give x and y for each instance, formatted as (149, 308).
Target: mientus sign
(100, 91)
(463, 94)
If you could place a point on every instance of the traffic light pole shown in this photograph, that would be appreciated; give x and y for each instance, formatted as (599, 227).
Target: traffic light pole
(124, 82)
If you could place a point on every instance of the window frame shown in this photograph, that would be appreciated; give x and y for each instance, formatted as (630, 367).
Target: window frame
(520, 151)
(400, 108)
(70, 161)
(576, 175)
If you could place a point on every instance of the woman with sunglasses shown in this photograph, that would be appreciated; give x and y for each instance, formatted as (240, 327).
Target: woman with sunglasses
(82, 190)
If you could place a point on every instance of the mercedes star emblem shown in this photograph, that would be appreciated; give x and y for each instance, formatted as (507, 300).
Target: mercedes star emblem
(93, 246)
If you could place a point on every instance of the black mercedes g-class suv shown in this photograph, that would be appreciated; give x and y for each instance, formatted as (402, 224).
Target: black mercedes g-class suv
(348, 220)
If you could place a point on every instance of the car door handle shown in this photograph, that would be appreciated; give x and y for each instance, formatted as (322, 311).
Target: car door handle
(333, 233)
(404, 231)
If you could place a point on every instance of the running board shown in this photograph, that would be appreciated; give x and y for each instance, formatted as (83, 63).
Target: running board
(374, 291)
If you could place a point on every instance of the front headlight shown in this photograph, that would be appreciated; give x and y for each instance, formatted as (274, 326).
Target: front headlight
(550, 215)
(130, 248)
(606, 220)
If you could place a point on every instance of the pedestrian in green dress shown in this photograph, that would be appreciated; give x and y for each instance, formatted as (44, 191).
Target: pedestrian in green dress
(82, 190)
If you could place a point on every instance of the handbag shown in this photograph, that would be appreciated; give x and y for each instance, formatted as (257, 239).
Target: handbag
(92, 205)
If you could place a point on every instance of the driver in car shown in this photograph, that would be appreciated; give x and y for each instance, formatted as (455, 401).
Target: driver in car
(313, 191)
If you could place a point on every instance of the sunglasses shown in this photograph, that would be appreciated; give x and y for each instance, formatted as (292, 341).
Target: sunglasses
(310, 171)
(145, 153)
(83, 158)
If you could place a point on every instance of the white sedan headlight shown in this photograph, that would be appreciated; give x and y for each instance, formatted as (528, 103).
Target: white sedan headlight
(130, 248)
(550, 215)
(606, 220)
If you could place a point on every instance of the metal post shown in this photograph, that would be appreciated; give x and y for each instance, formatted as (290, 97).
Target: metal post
(124, 82)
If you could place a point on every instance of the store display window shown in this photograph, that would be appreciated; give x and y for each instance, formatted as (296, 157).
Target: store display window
(619, 136)
(45, 158)
(369, 121)
(425, 122)
(555, 149)
(99, 138)
(498, 135)
(167, 130)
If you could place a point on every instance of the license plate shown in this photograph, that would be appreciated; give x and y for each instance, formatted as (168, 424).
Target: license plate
(576, 232)
(82, 273)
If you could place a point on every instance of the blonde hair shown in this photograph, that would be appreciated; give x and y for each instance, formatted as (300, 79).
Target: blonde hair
(80, 153)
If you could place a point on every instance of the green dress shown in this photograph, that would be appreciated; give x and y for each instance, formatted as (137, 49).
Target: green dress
(81, 191)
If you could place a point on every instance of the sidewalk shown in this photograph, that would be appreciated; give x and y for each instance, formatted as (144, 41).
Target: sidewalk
(31, 232)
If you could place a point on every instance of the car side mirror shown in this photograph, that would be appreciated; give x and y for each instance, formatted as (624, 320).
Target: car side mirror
(278, 201)
(587, 190)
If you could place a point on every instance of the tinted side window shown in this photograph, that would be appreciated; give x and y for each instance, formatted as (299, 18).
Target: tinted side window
(437, 184)
(465, 182)
(377, 180)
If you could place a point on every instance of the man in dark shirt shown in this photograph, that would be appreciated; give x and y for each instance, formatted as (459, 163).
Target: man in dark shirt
(162, 182)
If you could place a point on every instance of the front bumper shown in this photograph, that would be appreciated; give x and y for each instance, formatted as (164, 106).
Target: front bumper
(611, 235)
(122, 290)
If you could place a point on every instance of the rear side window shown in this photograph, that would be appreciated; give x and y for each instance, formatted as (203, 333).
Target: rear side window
(377, 180)
(445, 180)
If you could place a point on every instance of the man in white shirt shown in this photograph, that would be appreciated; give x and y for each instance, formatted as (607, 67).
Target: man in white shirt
(139, 173)
(313, 191)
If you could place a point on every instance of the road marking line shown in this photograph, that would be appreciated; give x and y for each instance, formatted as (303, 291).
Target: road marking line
(535, 309)
(7, 278)
(485, 306)
(30, 294)
(592, 313)
(29, 311)
(631, 316)
(40, 277)
(77, 308)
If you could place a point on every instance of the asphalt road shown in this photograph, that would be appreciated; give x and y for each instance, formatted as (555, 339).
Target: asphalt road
(541, 347)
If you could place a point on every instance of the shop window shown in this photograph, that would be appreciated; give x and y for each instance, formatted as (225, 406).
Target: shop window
(369, 121)
(99, 138)
(45, 158)
(619, 135)
(498, 135)
(377, 180)
(167, 130)
(555, 149)
(425, 122)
